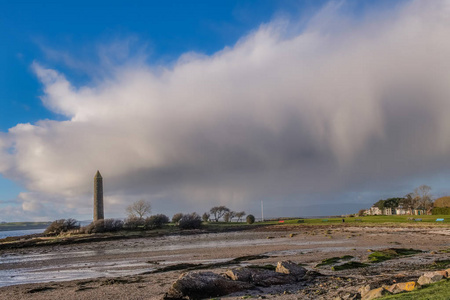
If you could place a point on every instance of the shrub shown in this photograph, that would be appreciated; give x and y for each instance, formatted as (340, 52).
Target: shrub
(62, 225)
(107, 225)
(190, 221)
(56, 227)
(250, 219)
(133, 223)
(95, 227)
(177, 217)
(205, 217)
(112, 225)
(441, 211)
(156, 221)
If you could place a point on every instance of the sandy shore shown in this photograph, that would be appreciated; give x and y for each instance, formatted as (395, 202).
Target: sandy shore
(113, 269)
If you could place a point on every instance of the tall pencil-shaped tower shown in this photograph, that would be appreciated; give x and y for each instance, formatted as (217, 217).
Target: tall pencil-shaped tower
(98, 197)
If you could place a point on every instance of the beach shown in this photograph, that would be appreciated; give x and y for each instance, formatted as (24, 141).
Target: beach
(120, 269)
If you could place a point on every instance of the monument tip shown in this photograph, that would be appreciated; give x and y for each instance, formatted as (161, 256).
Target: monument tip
(98, 175)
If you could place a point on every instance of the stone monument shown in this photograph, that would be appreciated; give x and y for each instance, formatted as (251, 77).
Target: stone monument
(98, 197)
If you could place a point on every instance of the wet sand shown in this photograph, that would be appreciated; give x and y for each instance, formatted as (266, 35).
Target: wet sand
(113, 269)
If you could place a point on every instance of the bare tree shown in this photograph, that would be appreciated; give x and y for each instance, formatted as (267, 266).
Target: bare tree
(228, 216)
(139, 209)
(423, 196)
(239, 215)
(218, 212)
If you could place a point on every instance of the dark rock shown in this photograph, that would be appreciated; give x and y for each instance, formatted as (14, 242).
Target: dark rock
(260, 277)
(311, 275)
(288, 267)
(240, 274)
(199, 285)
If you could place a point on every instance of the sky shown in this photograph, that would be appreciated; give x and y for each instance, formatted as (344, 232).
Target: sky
(311, 107)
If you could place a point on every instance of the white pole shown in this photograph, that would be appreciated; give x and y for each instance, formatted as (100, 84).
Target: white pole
(262, 211)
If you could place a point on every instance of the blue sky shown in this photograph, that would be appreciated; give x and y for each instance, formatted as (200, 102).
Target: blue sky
(97, 46)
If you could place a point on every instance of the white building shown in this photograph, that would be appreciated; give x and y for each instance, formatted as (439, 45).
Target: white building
(373, 211)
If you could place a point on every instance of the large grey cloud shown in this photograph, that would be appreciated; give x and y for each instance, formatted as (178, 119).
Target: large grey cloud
(283, 114)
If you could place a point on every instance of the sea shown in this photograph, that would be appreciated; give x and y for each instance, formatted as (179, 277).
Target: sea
(4, 234)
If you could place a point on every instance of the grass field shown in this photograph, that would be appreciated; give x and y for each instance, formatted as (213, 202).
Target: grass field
(367, 220)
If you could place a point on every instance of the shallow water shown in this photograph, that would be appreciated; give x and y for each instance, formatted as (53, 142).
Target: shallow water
(107, 259)
(87, 270)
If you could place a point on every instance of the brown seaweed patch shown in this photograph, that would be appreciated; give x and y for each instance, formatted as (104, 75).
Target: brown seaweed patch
(40, 289)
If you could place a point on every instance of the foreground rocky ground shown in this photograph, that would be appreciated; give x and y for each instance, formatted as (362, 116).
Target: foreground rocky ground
(146, 268)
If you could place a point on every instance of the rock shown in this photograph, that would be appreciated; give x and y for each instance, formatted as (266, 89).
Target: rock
(365, 289)
(424, 280)
(199, 285)
(429, 277)
(260, 277)
(349, 296)
(310, 275)
(432, 274)
(436, 275)
(240, 274)
(444, 273)
(376, 293)
(288, 267)
(402, 287)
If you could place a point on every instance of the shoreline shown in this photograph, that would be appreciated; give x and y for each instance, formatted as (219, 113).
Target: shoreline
(120, 264)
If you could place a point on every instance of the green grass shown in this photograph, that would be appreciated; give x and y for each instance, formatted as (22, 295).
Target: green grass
(441, 264)
(328, 261)
(345, 266)
(428, 220)
(333, 260)
(367, 220)
(403, 219)
(387, 254)
(437, 291)
(349, 265)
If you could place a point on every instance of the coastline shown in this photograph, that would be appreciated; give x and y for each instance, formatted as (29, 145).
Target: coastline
(115, 268)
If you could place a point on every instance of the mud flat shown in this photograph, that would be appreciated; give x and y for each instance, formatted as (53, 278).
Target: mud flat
(125, 268)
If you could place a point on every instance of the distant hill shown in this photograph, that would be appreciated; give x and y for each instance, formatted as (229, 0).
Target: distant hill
(4, 226)
(442, 202)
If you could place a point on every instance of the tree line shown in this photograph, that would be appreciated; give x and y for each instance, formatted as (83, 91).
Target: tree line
(139, 218)
(420, 198)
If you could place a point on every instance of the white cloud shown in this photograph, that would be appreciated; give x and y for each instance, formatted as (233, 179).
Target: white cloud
(279, 115)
